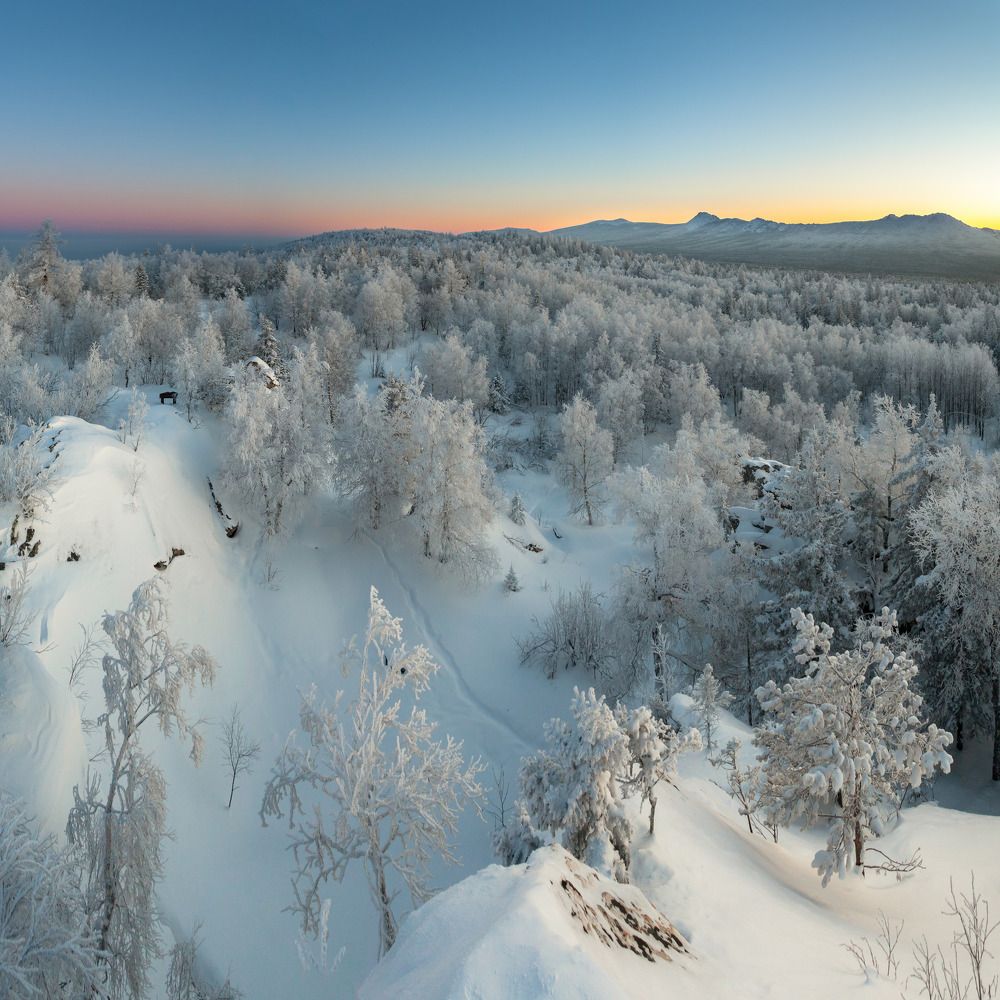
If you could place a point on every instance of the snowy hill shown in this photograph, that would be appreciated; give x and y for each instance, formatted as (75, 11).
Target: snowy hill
(550, 928)
(928, 245)
(276, 627)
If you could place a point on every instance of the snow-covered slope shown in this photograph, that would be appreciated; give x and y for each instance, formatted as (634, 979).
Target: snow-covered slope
(932, 245)
(550, 928)
(41, 743)
(754, 916)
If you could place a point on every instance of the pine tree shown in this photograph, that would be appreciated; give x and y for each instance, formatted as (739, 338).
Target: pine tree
(517, 511)
(510, 582)
(44, 260)
(141, 281)
(709, 699)
(268, 349)
(572, 788)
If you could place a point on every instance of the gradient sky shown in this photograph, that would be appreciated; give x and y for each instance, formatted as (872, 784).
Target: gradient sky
(295, 117)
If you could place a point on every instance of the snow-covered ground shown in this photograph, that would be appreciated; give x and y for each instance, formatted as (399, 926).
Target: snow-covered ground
(754, 914)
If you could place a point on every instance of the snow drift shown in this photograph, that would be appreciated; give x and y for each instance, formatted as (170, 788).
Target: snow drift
(552, 927)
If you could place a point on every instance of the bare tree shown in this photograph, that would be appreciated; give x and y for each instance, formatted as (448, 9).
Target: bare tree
(241, 751)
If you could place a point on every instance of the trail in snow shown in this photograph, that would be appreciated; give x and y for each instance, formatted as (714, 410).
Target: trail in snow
(474, 706)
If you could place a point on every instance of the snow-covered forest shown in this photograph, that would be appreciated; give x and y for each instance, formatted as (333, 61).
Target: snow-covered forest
(332, 575)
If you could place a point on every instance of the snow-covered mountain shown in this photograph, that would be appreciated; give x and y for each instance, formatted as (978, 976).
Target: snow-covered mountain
(937, 245)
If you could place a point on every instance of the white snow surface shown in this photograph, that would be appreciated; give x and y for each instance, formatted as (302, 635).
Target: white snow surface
(41, 742)
(754, 914)
(506, 933)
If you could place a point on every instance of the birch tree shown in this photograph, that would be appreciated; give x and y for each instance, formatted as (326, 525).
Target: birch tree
(118, 821)
(373, 785)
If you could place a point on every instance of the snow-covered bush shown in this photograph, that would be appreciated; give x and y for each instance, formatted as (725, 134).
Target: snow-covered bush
(846, 739)
(25, 474)
(387, 793)
(577, 634)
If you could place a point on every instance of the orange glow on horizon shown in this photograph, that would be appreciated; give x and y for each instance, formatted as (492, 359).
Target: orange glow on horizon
(270, 214)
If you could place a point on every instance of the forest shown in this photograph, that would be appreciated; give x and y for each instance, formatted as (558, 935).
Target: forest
(789, 480)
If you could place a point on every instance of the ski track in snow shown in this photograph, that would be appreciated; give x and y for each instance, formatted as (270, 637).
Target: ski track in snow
(474, 705)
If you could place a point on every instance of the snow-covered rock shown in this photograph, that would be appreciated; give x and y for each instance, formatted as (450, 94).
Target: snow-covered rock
(552, 927)
(41, 741)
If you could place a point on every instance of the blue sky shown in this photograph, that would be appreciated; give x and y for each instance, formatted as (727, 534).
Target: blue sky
(303, 116)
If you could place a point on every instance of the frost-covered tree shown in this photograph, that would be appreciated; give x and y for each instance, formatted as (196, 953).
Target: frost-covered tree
(118, 820)
(879, 473)
(133, 424)
(233, 320)
(16, 615)
(572, 790)
(956, 530)
(510, 582)
(708, 699)
(46, 949)
(26, 468)
(845, 740)
(453, 373)
(674, 598)
(620, 410)
(199, 367)
(278, 440)
(653, 747)
(336, 342)
(449, 482)
(185, 979)
(122, 346)
(114, 283)
(89, 387)
(804, 565)
(140, 281)
(373, 784)
(586, 458)
(44, 260)
(517, 512)
(367, 436)
(268, 349)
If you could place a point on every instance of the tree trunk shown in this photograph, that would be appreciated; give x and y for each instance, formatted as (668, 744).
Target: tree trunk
(859, 843)
(996, 724)
(387, 925)
(652, 815)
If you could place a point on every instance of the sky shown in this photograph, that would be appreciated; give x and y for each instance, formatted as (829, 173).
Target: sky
(284, 119)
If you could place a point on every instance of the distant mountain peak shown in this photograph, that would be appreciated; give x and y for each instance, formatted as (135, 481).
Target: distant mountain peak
(702, 218)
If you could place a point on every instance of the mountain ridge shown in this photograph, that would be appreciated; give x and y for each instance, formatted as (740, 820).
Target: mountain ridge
(933, 245)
